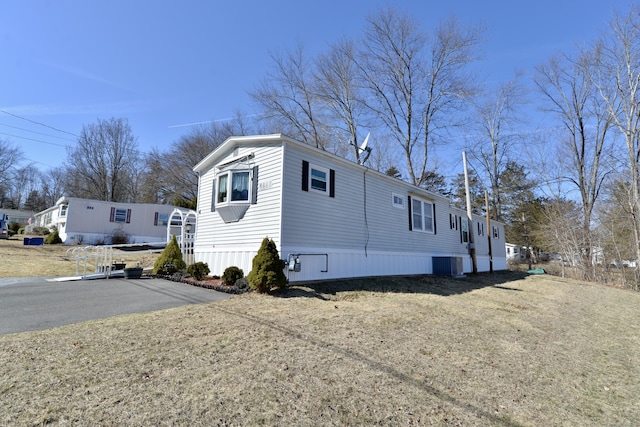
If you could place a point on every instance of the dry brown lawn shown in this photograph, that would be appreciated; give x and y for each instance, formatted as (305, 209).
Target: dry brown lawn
(503, 350)
(19, 260)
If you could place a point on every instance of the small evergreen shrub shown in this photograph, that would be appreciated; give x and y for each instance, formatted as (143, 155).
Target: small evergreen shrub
(53, 238)
(231, 275)
(15, 227)
(267, 270)
(170, 260)
(198, 270)
(242, 284)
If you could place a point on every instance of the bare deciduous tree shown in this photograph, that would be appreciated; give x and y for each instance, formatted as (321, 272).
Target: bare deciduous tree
(497, 117)
(416, 83)
(103, 161)
(572, 99)
(287, 100)
(617, 60)
(53, 185)
(173, 178)
(337, 87)
(9, 161)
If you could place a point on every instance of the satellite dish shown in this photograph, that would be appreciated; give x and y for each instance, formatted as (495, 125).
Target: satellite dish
(363, 146)
(365, 149)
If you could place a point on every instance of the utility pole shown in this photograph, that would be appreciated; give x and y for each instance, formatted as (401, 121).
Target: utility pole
(526, 240)
(472, 246)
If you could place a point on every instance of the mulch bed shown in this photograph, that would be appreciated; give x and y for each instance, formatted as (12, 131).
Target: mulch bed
(213, 282)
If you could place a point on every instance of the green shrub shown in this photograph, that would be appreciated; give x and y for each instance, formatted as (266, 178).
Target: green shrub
(53, 238)
(198, 270)
(267, 268)
(170, 260)
(231, 274)
(242, 284)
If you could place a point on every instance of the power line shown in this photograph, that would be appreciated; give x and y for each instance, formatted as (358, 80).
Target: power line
(38, 123)
(39, 133)
(34, 140)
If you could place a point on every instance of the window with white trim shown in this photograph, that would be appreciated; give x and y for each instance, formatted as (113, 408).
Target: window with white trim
(120, 215)
(422, 215)
(465, 230)
(397, 200)
(318, 179)
(63, 210)
(234, 186)
(453, 221)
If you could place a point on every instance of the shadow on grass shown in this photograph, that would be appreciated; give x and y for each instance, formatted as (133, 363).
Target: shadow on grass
(424, 284)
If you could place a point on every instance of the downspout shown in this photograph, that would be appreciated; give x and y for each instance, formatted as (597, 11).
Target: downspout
(366, 222)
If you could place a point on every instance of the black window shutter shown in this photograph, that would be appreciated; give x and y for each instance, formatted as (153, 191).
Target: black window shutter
(112, 216)
(409, 206)
(305, 175)
(460, 220)
(213, 196)
(254, 186)
(435, 229)
(332, 183)
(128, 216)
(155, 218)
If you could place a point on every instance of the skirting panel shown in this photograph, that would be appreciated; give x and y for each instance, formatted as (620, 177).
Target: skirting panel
(323, 264)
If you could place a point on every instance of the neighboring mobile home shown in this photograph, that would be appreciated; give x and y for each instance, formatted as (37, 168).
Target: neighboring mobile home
(329, 217)
(90, 222)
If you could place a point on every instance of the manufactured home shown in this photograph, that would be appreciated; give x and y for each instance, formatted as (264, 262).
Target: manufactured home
(86, 221)
(329, 217)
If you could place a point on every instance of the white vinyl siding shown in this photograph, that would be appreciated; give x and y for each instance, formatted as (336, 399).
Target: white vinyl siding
(260, 220)
(340, 223)
(88, 221)
(356, 231)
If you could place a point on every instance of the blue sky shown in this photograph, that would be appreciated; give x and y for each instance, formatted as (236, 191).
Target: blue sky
(165, 64)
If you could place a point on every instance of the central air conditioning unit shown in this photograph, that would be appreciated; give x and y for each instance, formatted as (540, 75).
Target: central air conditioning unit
(447, 266)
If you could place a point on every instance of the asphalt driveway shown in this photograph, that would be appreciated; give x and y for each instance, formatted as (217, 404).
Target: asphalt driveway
(29, 304)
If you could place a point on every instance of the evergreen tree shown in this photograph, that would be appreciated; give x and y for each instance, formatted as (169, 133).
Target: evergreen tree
(267, 268)
(170, 260)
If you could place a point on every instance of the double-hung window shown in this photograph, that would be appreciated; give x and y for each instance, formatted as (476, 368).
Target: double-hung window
(318, 179)
(422, 215)
(120, 215)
